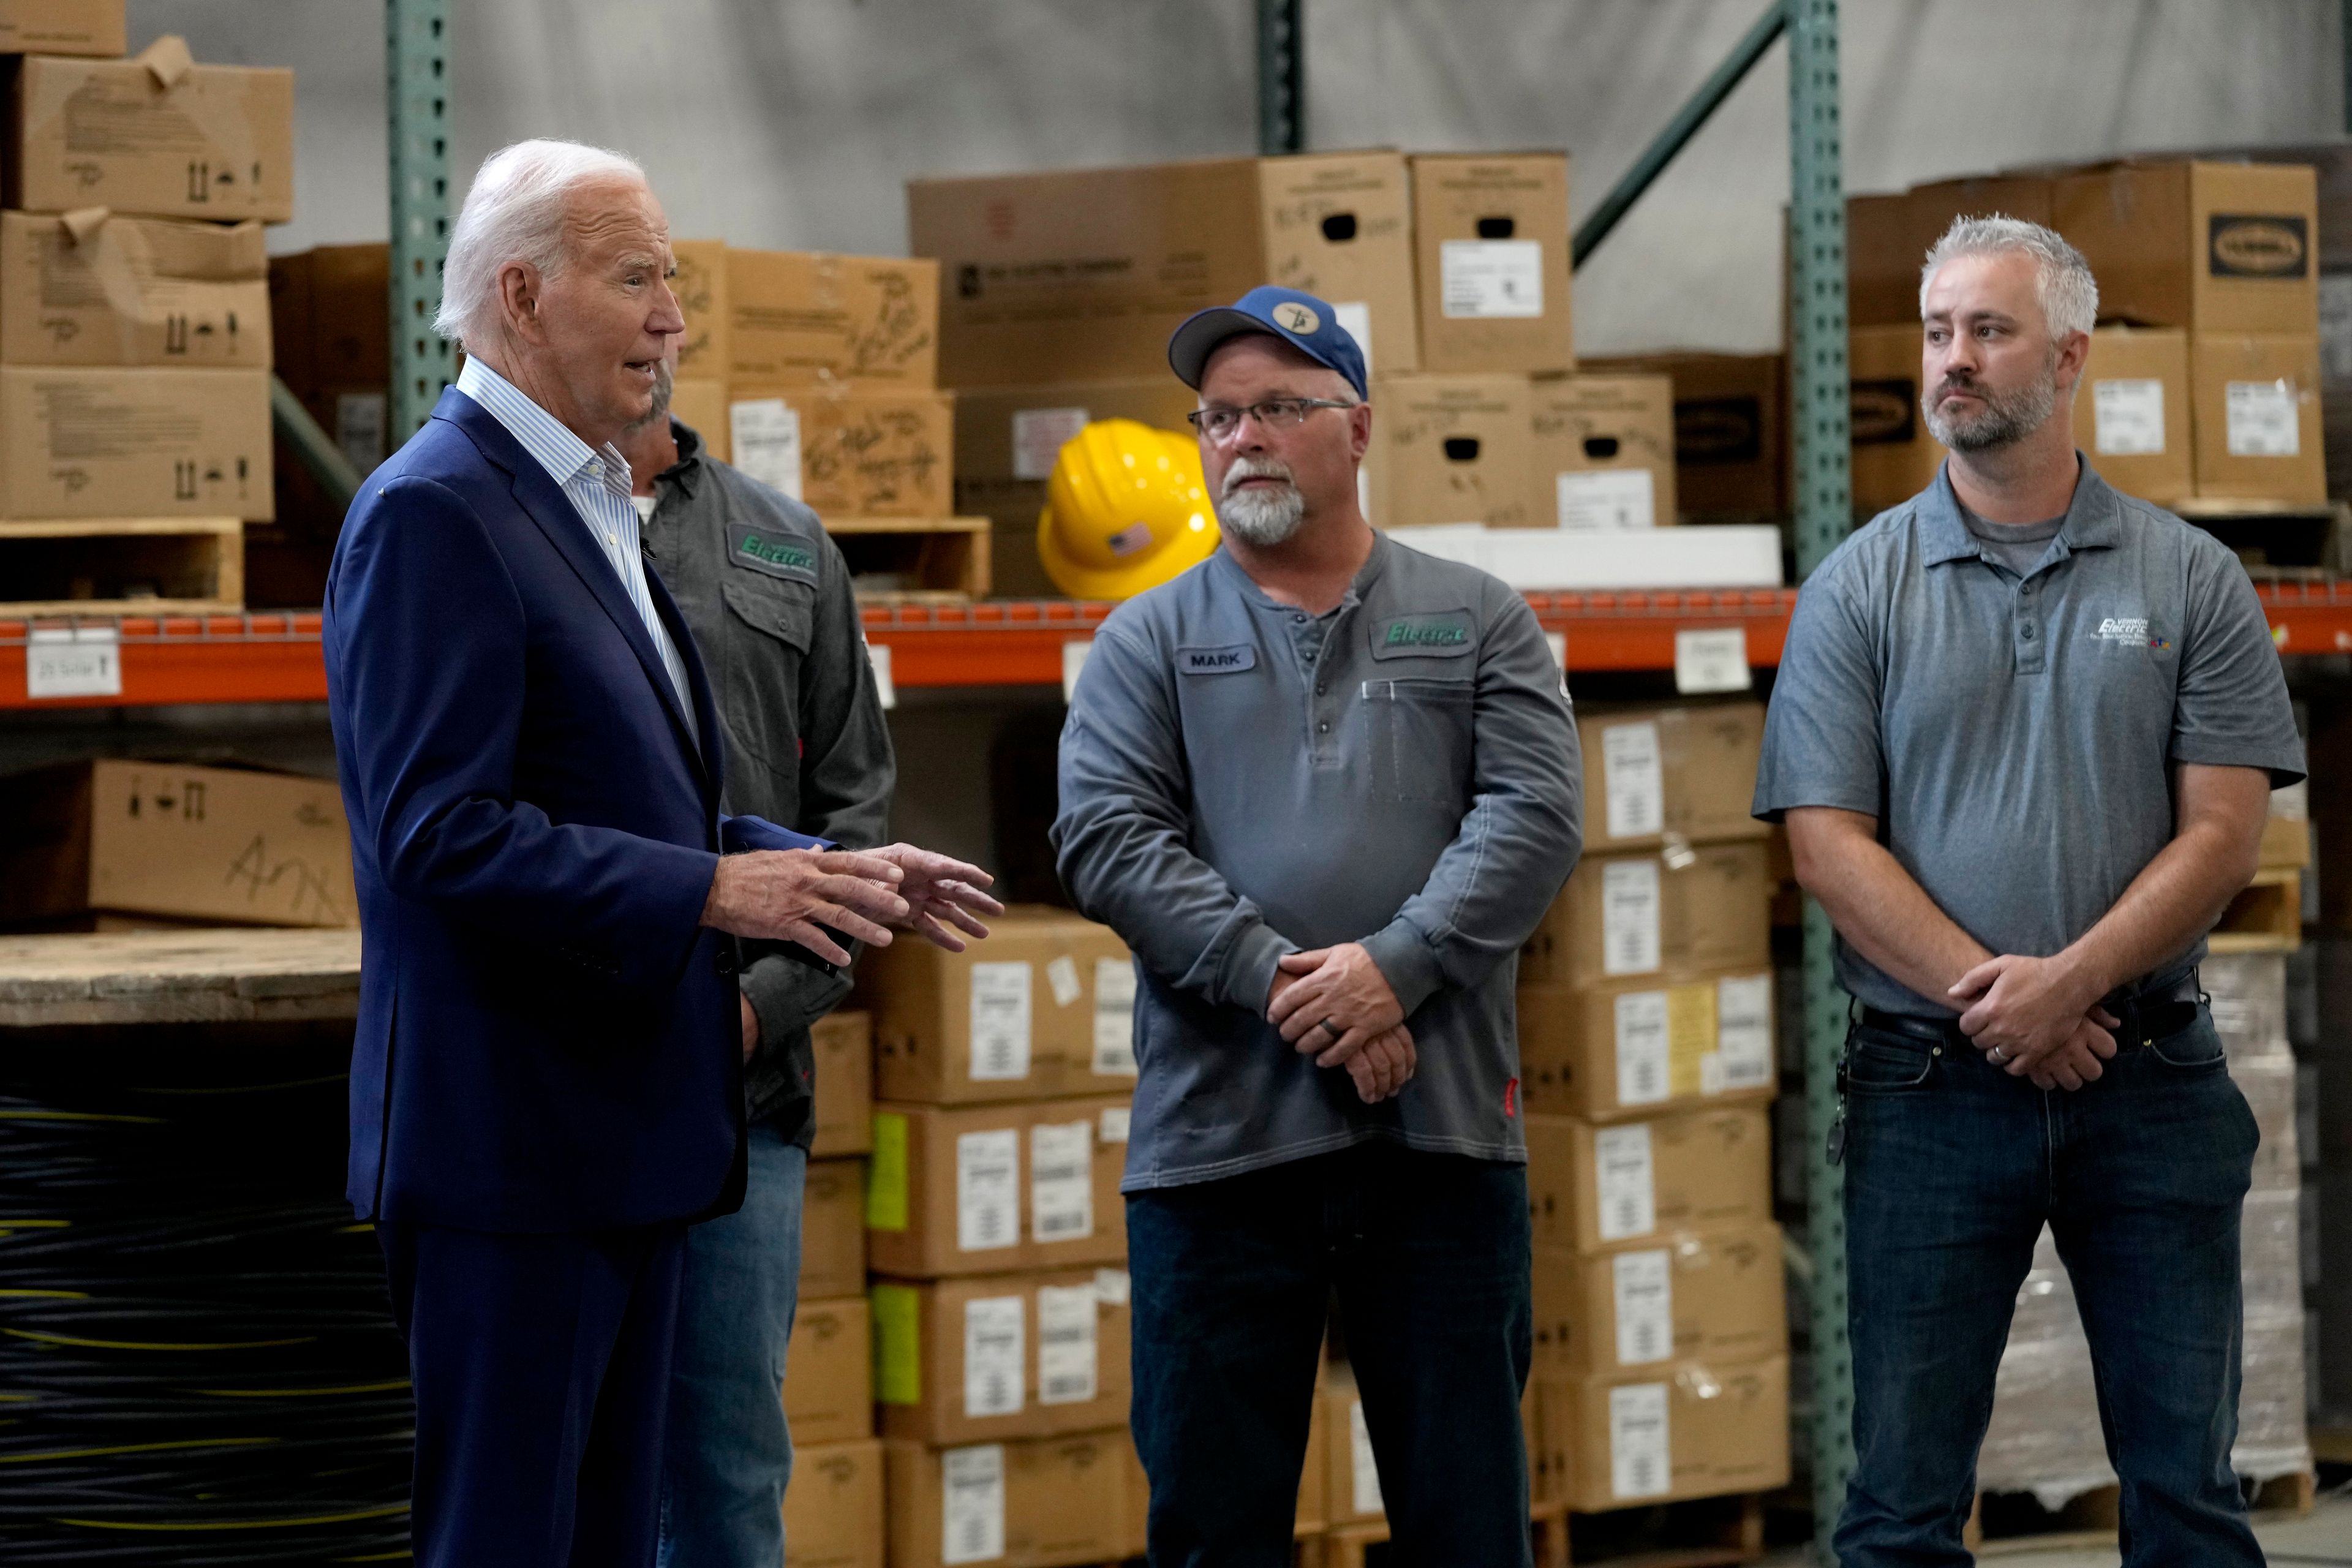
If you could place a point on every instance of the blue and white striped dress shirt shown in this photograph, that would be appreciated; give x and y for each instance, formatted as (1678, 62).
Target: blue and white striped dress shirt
(597, 484)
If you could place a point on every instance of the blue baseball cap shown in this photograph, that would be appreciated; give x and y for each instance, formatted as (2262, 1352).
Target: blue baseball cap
(1301, 319)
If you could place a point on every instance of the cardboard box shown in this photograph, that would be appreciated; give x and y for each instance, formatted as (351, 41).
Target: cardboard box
(828, 1389)
(1894, 457)
(82, 441)
(1882, 259)
(1694, 908)
(1679, 774)
(1490, 244)
(1028, 1502)
(1453, 448)
(1045, 1008)
(1632, 1048)
(847, 453)
(1590, 1185)
(159, 136)
(1689, 1429)
(810, 319)
(2254, 418)
(216, 845)
(987, 1189)
(1604, 450)
(330, 309)
(1351, 1486)
(99, 290)
(1930, 209)
(62, 27)
(833, 1228)
(2131, 414)
(1314, 1473)
(1028, 1355)
(1082, 275)
(843, 1046)
(701, 407)
(1713, 1294)
(704, 353)
(832, 1510)
(1731, 440)
(2212, 247)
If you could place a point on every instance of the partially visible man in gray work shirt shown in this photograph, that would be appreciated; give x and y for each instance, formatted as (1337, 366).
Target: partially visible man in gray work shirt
(1324, 786)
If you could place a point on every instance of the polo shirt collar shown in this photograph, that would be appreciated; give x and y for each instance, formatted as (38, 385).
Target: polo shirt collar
(687, 472)
(2093, 516)
(1366, 575)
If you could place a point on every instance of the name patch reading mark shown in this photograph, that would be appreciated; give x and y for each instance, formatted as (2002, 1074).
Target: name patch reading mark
(1227, 660)
(777, 554)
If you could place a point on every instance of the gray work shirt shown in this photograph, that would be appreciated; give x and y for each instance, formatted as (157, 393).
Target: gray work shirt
(768, 598)
(1224, 803)
(2016, 738)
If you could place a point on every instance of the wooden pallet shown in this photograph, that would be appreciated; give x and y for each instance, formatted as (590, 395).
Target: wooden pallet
(1366, 1545)
(2267, 917)
(2272, 534)
(935, 559)
(2016, 1523)
(1703, 1533)
(118, 566)
(225, 974)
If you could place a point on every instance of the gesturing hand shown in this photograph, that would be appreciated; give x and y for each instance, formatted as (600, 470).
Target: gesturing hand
(939, 893)
(1338, 997)
(787, 894)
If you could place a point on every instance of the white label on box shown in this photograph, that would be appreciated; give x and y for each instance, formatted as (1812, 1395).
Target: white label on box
(1074, 660)
(1112, 1287)
(2129, 414)
(1645, 1286)
(1355, 318)
(1632, 779)
(1115, 1121)
(1066, 1372)
(2263, 419)
(988, 1190)
(2335, 326)
(877, 659)
(78, 661)
(1629, 916)
(1641, 1455)
(1621, 1181)
(1062, 1181)
(972, 1515)
(1743, 1033)
(359, 429)
(1062, 980)
(1489, 278)
(1606, 498)
(1038, 436)
(1115, 1017)
(999, 1022)
(1644, 1074)
(1712, 660)
(993, 1355)
(767, 442)
(1363, 1469)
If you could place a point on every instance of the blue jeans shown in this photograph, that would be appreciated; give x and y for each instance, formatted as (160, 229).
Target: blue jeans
(1429, 1256)
(728, 1454)
(1952, 1169)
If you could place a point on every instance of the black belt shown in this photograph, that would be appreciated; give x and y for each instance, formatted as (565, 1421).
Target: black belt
(2164, 1008)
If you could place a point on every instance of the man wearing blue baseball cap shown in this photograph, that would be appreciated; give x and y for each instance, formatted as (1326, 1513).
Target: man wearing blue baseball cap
(1324, 786)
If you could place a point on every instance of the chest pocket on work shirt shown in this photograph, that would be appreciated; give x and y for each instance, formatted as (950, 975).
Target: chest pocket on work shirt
(770, 624)
(1420, 731)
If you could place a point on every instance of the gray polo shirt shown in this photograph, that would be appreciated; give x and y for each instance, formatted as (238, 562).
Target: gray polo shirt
(2015, 738)
(1223, 801)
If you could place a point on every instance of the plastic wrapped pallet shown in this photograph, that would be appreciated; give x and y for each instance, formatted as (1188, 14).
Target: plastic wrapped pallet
(2272, 1438)
(2249, 996)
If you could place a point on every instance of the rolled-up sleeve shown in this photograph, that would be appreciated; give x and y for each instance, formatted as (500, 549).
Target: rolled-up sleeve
(1822, 737)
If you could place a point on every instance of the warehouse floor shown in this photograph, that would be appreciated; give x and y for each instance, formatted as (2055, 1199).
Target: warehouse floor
(2321, 1538)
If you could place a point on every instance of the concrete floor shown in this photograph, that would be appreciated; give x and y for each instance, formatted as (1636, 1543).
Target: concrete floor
(2320, 1539)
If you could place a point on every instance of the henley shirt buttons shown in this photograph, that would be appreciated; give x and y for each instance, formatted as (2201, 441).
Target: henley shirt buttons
(1324, 728)
(2027, 631)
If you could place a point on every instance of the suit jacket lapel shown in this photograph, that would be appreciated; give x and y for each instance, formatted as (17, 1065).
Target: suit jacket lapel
(697, 682)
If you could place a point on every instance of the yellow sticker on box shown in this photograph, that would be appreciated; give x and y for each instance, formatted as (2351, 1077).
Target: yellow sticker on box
(897, 1344)
(886, 1173)
(1690, 1036)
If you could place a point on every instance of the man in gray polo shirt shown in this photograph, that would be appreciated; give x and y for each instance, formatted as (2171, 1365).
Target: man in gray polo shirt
(1324, 786)
(2024, 737)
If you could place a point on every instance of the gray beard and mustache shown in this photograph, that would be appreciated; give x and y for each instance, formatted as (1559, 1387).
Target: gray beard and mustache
(2006, 417)
(1260, 517)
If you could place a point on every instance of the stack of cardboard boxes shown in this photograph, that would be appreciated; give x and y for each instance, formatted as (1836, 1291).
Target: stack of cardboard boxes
(331, 321)
(134, 321)
(2204, 376)
(1646, 1042)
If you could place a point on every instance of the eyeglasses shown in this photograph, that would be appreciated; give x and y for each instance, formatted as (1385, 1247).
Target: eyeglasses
(1219, 423)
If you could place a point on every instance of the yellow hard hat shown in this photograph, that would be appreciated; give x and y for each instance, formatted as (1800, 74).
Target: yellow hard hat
(1126, 509)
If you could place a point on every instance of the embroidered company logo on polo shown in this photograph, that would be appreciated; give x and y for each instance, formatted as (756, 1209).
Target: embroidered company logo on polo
(2131, 631)
(746, 546)
(1412, 633)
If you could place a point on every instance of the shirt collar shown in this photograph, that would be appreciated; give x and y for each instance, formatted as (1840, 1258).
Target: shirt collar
(547, 438)
(2094, 518)
(1366, 575)
(687, 472)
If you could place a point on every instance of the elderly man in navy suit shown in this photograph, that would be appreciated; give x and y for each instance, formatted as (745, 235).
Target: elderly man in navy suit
(546, 1083)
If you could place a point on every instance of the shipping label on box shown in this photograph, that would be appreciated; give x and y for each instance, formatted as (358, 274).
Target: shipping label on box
(158, 136)
(832, 1510)
(1589, 1185)
(2255, 419)
(86, 442)
(964, 1361)
(2210, 247)
(833, 1228)
(1025, 1501)
(2137, 396)
(848, 454)
(92, 288)
(986, 1189)
(808, 319)
(1688, 1429)
(1490, 239)
(1715, 1293)
(1454, 449)
(1604, 449)
(1687, 773)
(829, 1388)
(700, 285)
(1632, 1048)
(1702, 907)
(1895, 458)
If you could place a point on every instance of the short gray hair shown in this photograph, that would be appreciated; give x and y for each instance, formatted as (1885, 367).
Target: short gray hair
(515, 212)
(2062, 280)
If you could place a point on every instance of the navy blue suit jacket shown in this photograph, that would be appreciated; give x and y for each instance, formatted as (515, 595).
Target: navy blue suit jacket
(548, 1038)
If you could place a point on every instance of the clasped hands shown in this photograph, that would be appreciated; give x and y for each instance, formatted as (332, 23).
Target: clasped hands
(1335, 1005)
(2038, 1018)
(802, 895)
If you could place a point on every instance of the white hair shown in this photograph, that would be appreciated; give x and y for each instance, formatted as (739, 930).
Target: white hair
(2062, 279)
(515, 212)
